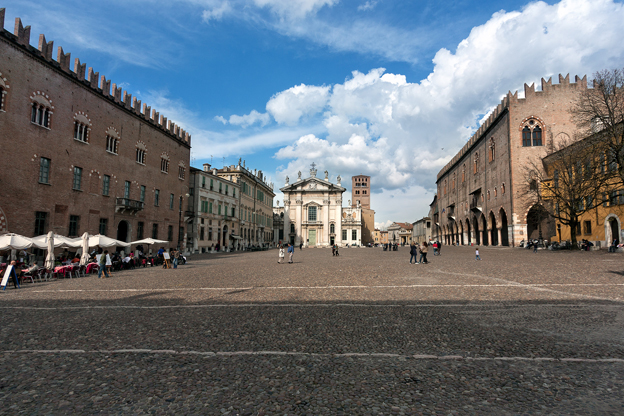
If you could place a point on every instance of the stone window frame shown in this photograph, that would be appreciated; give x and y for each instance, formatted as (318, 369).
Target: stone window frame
(181, 170)
(164, 162)
(82, 127)
(4, 86)
(492, 150)
(141, 152)
(529, 125)
(112, 141)
(41, 110)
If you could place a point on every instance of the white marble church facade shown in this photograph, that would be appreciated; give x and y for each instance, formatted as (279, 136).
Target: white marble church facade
(314, 215)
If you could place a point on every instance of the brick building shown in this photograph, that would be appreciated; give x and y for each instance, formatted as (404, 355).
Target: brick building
(481, 191)
(78, 156)
(360, 196)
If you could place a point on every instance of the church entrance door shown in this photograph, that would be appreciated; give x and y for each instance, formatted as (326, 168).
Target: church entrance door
(331, 240)
(312, 237)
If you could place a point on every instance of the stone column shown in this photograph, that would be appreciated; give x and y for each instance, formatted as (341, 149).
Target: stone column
(481, 237)
(326, 205)
(299, 236)
(287, 213)
(500, 239)
(489, 237)
(338, 213)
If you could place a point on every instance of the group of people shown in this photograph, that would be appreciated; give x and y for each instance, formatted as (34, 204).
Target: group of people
(415, 249)
(281, 253)
(335, 250)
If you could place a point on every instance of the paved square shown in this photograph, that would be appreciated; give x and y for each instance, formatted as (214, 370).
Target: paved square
(364, 333)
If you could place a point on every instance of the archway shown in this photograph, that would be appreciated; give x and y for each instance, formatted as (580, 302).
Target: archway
(612, 229)
(485, 238)
(504, 227)
(538, 223)
(123, 231)
(477, 233)
(468, 234)
(494, 239)
(461, 233)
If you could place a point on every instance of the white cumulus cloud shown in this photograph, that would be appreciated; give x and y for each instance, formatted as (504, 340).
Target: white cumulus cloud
(288, 107)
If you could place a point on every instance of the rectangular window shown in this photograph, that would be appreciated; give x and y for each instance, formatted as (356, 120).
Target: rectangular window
(344, 235)
(142, 193)
(203, 181)
(353, 235)
(220, 187)
(74, 224)
(181, 172)
(219, 209)
(604, 199)
(170, 233)
(588, 228)
(312, 214)
(140, 230)
(233, 212)
(234, 192)
(210, 210)
(44, 170)
(210, 234)
(211, 184)
(103, 226)
(156, 197)
(578, 228)
(226, 189)
(77, 178)
(127, 189)
(155, 231)
(40, 223)
(171, 201)
(201, 233)
(106, 185)
(614, 199)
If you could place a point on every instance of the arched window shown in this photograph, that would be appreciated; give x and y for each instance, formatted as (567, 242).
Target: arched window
(332, 228)
(112, 140)
(531, 132)
(526, 136)
(141, 150)
(181, 170)
(492, 150)
(503, 189)
(495, 192)
(82, 127)
(537, 136)
(41, 111)
(445, 187)
(4, 86)
(476, 163)
(164, 162)
(488, 195)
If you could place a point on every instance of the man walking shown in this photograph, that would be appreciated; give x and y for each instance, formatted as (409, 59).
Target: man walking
(291, 251)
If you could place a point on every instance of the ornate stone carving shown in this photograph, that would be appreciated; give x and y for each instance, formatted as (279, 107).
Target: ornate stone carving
(326, 176)
(312, 185)
(299, 175)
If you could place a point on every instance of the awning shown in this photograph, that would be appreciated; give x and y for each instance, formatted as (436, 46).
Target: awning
(235, 237)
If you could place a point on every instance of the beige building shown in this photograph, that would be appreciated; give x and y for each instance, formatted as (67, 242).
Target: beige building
(481, 191)
(216, 220)
(421, 230)
(400, 233)
(314, 215)
(376, 236)
(256, 204)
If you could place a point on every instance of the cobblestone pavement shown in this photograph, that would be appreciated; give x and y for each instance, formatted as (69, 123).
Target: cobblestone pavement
(365, 333)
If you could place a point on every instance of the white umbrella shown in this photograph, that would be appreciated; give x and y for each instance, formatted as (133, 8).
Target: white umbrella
(149, 242)
(59, 241)
(99, 240)
(85, 249)
(49, 261)
(14, 242)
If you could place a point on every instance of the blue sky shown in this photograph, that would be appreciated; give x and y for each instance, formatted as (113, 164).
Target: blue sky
(385, 88)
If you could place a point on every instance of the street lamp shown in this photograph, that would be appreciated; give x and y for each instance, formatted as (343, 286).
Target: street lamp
(180, 223)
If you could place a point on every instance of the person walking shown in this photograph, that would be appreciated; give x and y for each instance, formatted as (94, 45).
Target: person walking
(291, 251)
(102, 264)
(176, 258)
(423, 253)
(336, 247)
(477, 257)
(413, 253)
(300, 246)
(435, 248)
(280, 255)
(334, 250)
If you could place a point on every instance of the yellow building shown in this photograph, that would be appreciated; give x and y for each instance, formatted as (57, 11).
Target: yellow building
(383, 237)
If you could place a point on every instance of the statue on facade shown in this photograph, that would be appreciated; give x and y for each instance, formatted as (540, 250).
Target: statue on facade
(326, 175)
(239, 161)
(287, 180)
(299, 175)
(338, 179)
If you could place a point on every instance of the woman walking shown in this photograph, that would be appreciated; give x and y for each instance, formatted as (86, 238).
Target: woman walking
(413, 253)
(281, 255)
(423, 253)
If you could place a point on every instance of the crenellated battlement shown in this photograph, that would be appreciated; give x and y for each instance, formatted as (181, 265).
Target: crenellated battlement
(510, 99)
(99, 84)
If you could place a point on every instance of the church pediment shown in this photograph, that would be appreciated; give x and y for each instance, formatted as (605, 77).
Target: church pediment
(312, 185)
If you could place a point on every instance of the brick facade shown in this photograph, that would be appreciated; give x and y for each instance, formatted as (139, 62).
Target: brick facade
(83, 132)
(480, 192)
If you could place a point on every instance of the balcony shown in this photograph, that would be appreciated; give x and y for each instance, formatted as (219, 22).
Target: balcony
(450, 212)
(128, 206)
(475, 204)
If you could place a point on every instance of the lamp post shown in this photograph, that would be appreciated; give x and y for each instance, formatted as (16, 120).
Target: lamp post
(180, 222)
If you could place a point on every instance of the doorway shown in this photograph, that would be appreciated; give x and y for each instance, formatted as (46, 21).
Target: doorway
(122, 231)
(312, 237)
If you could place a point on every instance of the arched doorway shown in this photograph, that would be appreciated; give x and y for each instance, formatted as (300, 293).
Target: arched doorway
(123, 231)
(477, 234)
(468, 234)
(494, 233)
(612, 229)
(485, 239)
(538, 223)
(504, 227)
(460, 233)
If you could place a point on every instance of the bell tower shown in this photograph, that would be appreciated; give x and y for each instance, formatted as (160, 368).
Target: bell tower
(360, 191)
